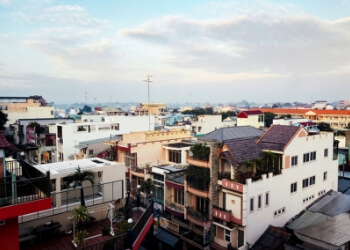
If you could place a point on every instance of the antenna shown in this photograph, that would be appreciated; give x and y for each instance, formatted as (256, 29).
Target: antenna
(149, 119)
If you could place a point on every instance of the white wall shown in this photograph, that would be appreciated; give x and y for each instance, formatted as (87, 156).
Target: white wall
(71, 137)
(279, 186)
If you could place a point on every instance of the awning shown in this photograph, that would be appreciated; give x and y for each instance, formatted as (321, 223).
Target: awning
(166, 237)
(80, 146)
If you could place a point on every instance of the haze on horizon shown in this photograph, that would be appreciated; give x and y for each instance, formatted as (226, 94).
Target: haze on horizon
(196, 51)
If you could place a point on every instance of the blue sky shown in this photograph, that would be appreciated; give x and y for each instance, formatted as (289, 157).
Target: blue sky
(196, 51)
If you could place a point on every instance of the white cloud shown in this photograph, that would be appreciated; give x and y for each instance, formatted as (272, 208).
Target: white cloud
(5, 2)
(254, 43)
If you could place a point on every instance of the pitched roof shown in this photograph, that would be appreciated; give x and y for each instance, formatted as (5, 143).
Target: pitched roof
(272, 238)
(233, 133)
(3, 142)
(304, 111)
(243, 150)
(246, 113)
(277, 137)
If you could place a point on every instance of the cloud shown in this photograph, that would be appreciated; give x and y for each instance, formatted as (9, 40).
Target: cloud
(252, 43)
(5, 2)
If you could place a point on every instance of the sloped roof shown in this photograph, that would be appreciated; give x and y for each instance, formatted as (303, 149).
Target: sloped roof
(244, 150)
(3, 142)
(304, 111)
(233, 133)
(306, 219)
(272, 238)
(334, 231)
(277, 137)
(332, 204)
(245, 114)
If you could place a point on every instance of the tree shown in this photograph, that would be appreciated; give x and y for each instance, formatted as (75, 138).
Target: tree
(147, 186)
(3, 120)
(269, 118)
(323, 126)
(78, 177)
(226, 114)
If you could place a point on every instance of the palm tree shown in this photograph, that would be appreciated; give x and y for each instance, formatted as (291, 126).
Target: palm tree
(78, 177)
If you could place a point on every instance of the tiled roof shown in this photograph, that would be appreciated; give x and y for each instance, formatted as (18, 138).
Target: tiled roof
(272, 238)
(253, 112)
(3, 142)
(244, 150)
(233, 133)
(277, 137)
(304, 111)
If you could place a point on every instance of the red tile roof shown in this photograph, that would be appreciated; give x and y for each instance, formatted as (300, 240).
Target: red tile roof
(3, 142)
(304, 111)
(245, 114)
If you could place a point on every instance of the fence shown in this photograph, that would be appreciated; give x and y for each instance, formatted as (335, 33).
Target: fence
(66, 200)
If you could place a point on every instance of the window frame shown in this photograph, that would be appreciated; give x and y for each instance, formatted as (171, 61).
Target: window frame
(305, 182)
(251, 205)
(294, 161)
(293, 187)
(267, 199)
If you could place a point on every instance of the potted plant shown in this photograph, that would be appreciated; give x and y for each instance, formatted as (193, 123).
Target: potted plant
(80, 237)
(105, 230)
(80, 215)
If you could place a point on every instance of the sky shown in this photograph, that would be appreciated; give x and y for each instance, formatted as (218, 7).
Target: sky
(194, 51)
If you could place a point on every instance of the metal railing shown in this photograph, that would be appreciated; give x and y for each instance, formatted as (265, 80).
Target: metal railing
(175, 207)
(66, 200)
(224, 175)
(21, 191)
(139, 226)
(197, 214)
(117, 242)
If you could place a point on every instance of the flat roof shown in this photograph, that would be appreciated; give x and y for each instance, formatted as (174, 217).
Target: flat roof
(70, 166)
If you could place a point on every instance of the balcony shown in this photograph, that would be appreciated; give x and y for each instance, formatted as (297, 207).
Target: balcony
(196, 217)
(20, 197)
(225, 215)
(232, 185)
(139, 172)
(175, 208)
(224, 175)
(198, 192)
(198, 163)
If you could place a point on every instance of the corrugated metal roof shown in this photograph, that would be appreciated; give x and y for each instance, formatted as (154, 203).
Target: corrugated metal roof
(233, 133)
(306, 219)
(332, 204)
(334, 231)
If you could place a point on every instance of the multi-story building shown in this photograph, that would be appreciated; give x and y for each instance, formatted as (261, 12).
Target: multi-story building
(69, 136)
(25, 108)
(338, 119)
(267, 181)
(254, 118)
(205, 124)
(19, 195)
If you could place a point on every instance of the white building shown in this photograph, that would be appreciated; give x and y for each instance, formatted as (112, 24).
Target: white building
(254, 118)
(294, 169)
(70, 135)
(105, 172)
(208, 123)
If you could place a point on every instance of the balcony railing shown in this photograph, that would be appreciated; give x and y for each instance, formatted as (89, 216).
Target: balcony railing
(175, 207)
(232, 185)
(21, 191)
(201, 216)
(224, 175)
(225, 215)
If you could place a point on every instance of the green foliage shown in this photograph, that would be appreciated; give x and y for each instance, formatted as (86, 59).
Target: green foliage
(147, 186)
(286, 116)
(200, 111)
(80, 214)
(269, 118)
(79, 177)
(323, 126)
(224, 115)
(200, 151)
(3, 120)
(80, 237)
(198, 177)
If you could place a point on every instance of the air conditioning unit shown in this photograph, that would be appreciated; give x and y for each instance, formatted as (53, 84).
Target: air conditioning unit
(218, 188)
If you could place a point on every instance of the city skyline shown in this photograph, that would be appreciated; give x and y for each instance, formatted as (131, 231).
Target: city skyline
(196, 51)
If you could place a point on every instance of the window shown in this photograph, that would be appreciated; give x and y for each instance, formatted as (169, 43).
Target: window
(306, 157)
(312, 180)
(325, 153)
(279, 211)
(313, 156)
(175, 156)
(267, 199)
(199, 129)
(305, 182)
(259, 201)
(202, 205)
(91, 151)
(294, 160)
(179, 196)
(130, 159)
(227, 235)
(251, 209)
(293, 187)
(325, 176)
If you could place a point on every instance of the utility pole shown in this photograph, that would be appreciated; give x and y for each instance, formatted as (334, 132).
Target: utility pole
(149, 117)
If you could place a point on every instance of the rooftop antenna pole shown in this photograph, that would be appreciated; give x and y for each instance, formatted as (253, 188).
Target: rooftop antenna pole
(149, 118)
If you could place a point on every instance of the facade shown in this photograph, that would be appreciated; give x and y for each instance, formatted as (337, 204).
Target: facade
(18, 197)
(338, 119)
(25, 108)
(268, 181)
(207, 123)
(70, 135)
(150, 108)
(254, 118)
